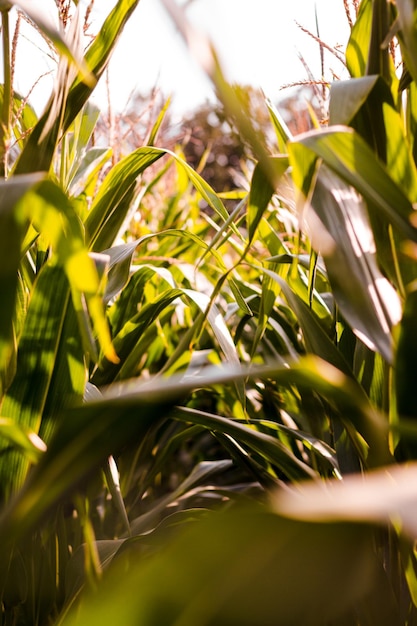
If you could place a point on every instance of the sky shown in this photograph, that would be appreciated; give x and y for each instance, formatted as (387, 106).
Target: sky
(258, 43)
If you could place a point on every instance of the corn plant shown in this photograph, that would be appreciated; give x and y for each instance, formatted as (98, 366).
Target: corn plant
(210, 419)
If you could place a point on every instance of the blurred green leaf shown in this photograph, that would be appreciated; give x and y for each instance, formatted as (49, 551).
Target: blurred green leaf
(245, 566)
(12, 230)
(408, 34)
(25, 399)
(53, 214)
(261, 192)
(382, 496)
(27, 440)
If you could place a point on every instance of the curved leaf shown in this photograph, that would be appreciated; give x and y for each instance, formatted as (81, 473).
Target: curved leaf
(347, 154)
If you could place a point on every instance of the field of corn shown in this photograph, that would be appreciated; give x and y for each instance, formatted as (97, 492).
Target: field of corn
(208, 392)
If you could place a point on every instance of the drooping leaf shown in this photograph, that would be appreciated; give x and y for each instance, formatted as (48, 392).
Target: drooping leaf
(382, 496)
(119, 268)
(367, 105)
(349, 156)
(342, 235)
(265, 445)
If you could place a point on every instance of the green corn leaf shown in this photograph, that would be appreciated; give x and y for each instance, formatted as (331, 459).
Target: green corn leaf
(67, 384)
(199, 475)
(345, 152)
(40, 147)
(12, 229)
(405, 372)
(281, 130)
(320, 448)
(88, 434)
(408, 34)
(110, 207)
(217, 324)
(270, 291)
(317, 340)
(126, 306)
(23, 438)
(75, 145)
(204, 189)
(85, 178)
(38, 346)
(119, 268)
(54, 216)
(367, 105)
(267, 446)
(411, 119)
(158, 123)
(127, 341)
(348, 97)
(340, 231)
(261, 192)
(357, 50)
(241, 567)
(112, 202)
(220, 331)
(379, 56)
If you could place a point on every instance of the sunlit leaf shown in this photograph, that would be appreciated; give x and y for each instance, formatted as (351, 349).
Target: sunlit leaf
(382, 496)
(12, 229)
(349, 156)
(341, 233)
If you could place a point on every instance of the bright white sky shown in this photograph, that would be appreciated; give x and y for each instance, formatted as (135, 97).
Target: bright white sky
(257, 40)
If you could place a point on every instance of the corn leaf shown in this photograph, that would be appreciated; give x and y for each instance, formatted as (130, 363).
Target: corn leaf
(366, 104)
(228, 586)
(408, 34)
(12, 229)
(38, 346)
(345, 152)
(341, 233)
(261, 191)
(39, 149)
